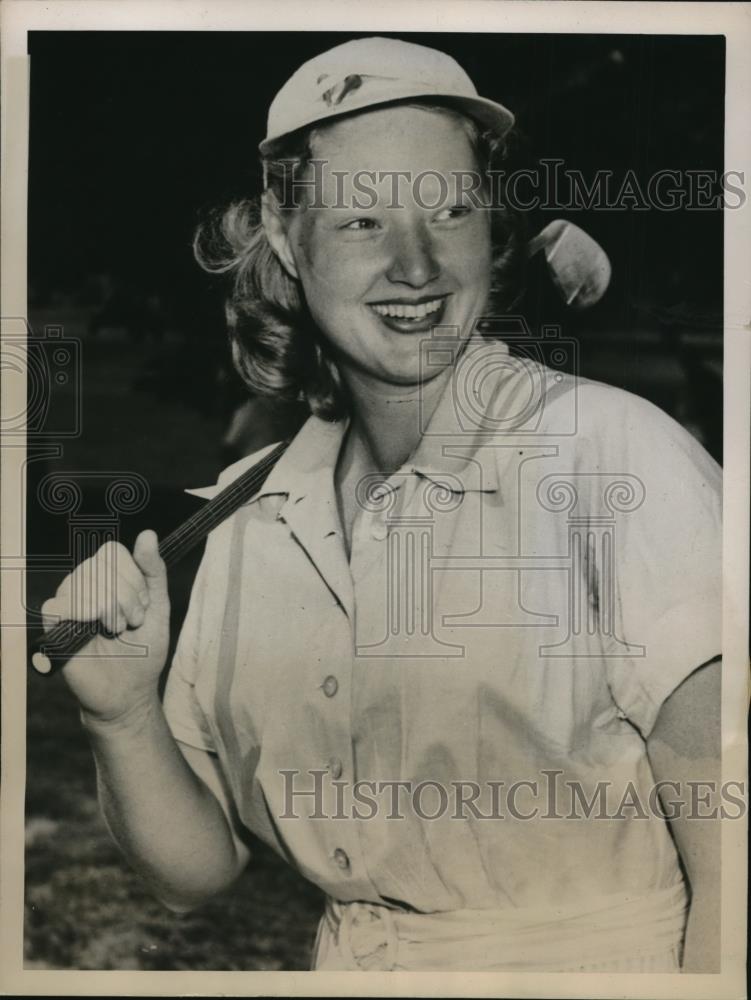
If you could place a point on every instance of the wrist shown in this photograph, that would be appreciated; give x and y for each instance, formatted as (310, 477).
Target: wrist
(131, 719)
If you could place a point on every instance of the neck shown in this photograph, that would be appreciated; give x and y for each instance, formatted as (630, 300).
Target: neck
(388, 420)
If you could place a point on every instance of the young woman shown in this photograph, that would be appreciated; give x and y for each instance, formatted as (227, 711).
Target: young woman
(447, 658)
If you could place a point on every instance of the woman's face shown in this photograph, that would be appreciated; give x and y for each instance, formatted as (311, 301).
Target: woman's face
(377, 278)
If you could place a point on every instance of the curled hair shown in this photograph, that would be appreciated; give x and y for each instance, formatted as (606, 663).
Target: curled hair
(276, 346)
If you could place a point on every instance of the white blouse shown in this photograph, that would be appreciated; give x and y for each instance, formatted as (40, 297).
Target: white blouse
(455, 717)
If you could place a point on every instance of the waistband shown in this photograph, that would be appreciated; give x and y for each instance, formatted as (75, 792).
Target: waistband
(612, 928)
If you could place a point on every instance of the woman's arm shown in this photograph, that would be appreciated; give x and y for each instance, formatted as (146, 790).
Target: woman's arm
(166, 818)
(685, 747)
(162, 812)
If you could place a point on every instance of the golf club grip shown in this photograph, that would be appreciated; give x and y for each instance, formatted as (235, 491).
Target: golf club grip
(64, 640)
(61, 643)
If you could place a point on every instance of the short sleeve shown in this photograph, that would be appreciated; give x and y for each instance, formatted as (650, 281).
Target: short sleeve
(184, 715)
(667, 563)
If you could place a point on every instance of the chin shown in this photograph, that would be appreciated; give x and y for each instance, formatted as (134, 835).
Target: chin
(412, 373)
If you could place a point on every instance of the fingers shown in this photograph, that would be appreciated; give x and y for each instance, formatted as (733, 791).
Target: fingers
(53, 612)
(127, 568)
(126, 610)
(150, 563)
(108, 587)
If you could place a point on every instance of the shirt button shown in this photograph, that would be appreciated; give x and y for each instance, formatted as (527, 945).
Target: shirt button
(330, 686)
(335, 766)
(341, 859)
(379, 530)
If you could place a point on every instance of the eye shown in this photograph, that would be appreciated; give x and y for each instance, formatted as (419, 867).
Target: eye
(453, 213)
(359, 225)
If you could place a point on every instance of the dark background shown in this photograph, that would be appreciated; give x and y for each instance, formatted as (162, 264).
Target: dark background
(133, 136)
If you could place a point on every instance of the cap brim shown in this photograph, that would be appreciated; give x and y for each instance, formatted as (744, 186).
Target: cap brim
(492, 116)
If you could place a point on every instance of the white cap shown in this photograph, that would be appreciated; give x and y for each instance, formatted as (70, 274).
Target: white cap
(371, 71)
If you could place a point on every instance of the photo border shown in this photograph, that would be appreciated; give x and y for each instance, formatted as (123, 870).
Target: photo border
(17, 18)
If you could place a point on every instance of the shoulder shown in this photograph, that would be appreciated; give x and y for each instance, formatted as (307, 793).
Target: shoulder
(614, 425)
(601, 409)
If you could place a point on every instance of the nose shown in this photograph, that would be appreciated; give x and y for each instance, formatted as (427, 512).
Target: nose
(413, 259)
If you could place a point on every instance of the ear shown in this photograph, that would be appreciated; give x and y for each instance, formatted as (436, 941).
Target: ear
(276, 233)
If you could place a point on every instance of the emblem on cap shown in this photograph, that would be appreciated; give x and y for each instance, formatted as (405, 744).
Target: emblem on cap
(336, 94)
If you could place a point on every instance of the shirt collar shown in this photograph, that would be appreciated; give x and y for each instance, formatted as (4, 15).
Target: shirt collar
(460, 425)
(313, 450)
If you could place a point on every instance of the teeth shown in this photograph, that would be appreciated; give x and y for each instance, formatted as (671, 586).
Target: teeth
(409, 312)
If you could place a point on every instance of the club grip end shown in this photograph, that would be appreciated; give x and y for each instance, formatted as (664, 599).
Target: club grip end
(41, 663)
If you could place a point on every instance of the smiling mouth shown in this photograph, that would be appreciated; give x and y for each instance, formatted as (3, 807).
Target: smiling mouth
(409, 311)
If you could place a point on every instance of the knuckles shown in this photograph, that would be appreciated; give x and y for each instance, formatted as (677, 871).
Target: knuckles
(114, 552)
(93, 590)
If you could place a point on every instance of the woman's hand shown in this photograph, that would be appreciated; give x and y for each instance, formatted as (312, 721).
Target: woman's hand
(128, 594)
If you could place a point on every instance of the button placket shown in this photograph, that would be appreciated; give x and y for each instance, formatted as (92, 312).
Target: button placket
(344, 849)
